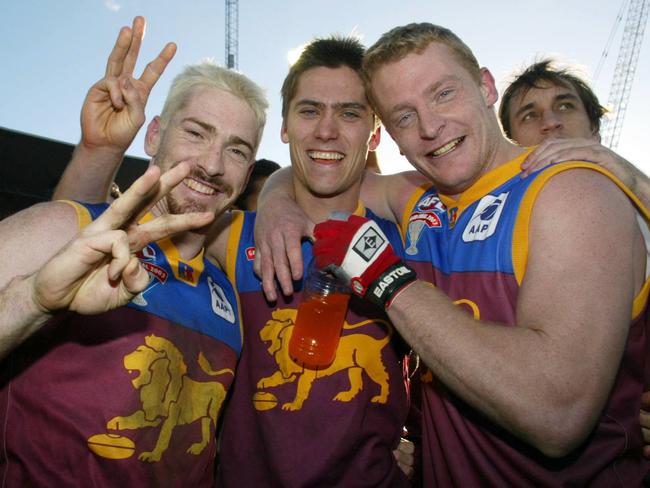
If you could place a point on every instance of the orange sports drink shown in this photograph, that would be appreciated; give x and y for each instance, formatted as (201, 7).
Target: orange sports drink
(319, 321)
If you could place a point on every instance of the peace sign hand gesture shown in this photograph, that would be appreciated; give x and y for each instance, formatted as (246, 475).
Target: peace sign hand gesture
(113, 110)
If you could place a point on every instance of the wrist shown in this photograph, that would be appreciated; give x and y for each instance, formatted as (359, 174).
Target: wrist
(89, 151)
(390, 283)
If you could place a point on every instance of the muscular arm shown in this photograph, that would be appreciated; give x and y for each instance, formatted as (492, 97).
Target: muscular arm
(560, 150)
(572, 315)
(281, 223)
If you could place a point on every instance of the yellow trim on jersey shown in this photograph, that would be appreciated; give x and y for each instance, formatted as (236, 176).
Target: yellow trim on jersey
(234, 234)
(485, 184)
(83, 214)
(521, 228)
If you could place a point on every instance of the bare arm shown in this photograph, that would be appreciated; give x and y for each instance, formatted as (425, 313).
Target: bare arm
(518, 375)
(111, 116)
(281, 223)
(560, 150)
(96, 271)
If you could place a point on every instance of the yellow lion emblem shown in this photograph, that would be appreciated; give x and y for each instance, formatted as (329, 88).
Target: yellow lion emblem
(169, 396)
(356, 353)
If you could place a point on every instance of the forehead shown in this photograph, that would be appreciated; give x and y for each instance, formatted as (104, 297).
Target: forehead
(330, 85)
(414, 74)
(545, 93)
(224, 111)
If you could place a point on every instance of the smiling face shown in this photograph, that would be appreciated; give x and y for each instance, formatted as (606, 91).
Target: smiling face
(329, 127)
(216, 134)
(440, 116)
(548, 111)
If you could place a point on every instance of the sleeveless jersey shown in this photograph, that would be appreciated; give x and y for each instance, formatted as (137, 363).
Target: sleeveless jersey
(130, 397)
(475, 250)
(286, 426)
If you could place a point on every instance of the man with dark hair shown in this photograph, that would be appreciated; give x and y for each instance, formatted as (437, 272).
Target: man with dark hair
(568, 90)
(287, 425)
(555, 109)
(529, 314)
(262, 169)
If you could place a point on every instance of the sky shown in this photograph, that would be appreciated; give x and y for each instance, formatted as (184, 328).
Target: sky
(53, 51)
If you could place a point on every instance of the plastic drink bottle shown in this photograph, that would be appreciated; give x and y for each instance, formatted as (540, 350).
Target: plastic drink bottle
(319, 321)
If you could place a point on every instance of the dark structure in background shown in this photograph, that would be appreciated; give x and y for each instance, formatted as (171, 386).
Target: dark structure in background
(30, 167)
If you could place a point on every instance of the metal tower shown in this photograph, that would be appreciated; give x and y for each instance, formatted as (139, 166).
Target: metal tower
(232, 34)
(628, 56)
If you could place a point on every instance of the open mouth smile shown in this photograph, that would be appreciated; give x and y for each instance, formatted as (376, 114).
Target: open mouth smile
(447, 148)
(199, 187)
(332, 156)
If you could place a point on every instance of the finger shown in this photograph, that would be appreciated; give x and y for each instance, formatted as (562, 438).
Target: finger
(165, 226)
(121, 47)
(123, 210)
(112, 86)
(134, 277)
(156, 68)
(137, 34)
(281, 265)
(267, 272)
(134, 104)
(145, 192)
(120, 254)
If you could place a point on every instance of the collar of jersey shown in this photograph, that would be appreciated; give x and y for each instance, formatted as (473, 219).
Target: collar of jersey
(486, 183)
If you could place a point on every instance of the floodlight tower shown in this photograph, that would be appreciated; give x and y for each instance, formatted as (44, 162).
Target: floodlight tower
(626, 64)
(232, 33)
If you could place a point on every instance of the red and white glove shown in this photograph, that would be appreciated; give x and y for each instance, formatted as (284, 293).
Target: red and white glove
(358, 252)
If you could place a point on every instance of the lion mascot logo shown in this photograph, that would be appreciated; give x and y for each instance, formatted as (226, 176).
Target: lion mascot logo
(356, 353)
(169, 396)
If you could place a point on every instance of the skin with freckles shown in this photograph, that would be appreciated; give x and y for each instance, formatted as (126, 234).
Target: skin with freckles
(438, 116)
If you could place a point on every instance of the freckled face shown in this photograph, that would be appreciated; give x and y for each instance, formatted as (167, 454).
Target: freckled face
(440, 115)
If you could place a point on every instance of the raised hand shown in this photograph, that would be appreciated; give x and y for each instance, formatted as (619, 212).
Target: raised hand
(98, 271)
(113, 111)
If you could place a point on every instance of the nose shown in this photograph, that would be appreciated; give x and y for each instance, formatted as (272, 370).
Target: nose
(212, 162)
(550, 122)
(429, 124)
(326, 128)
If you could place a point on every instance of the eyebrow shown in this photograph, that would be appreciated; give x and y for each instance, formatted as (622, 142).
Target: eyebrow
(430, 89)
(337, 105)
(558, 98)
(212, 130)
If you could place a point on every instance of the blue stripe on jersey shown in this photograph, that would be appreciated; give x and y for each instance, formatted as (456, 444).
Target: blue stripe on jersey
(209, 308)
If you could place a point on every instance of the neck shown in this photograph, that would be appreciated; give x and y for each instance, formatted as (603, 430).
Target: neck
(318, 208)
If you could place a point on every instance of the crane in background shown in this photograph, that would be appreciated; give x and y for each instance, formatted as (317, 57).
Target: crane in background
(626, 64)
(232, 34)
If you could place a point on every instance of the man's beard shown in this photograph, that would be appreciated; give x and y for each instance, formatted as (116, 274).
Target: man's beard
(179, 206)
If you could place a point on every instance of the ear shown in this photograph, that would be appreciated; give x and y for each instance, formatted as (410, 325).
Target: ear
(283, 132)
(152, 138)
(488, 87)
(375, 139)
